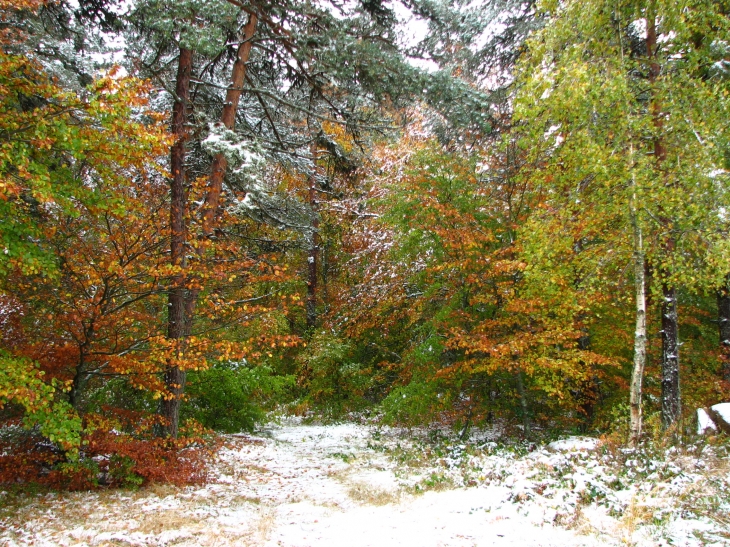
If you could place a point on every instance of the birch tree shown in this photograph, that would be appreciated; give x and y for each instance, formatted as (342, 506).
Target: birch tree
(620, 106)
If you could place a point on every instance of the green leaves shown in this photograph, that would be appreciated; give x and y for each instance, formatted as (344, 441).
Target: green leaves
(230, 398)
(21, 383)
(59, 152)
(587, 100)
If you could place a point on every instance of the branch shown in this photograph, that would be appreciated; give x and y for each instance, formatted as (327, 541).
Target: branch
(316, 115)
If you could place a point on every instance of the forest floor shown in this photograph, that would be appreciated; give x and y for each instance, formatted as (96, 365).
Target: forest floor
(299, 485)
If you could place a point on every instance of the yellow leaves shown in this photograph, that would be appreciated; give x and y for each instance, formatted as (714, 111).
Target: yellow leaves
(30, 5)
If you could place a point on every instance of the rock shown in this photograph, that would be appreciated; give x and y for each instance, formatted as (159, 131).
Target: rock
(704, 422)
(714, 418)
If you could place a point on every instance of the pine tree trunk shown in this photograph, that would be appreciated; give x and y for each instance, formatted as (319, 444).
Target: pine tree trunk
(228, 119)
(176, 320)
(723, 321)
(182, 302)
(313, 258)
(671, 408)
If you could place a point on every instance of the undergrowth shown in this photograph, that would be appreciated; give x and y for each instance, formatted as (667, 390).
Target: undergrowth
(644, 489)
(112, 455)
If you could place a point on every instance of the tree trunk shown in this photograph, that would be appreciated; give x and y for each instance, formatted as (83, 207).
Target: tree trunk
(671, 407)
(523, 405)
(640, 270)
(182, 302)
(81, 376)
(77, 384)
(723, 321)
(670, 332)
(228, 119)
(637, 374)
(176, 321)
(313, 258)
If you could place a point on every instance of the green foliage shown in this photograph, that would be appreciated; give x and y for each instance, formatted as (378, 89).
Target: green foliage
(166, 22)
(419, 401)
(624, 128)
(121, 471)
(232, 397)
(21, 382)
(119, 393)
(455, 316)
(595, 143)
(333, 382)
(58, 152)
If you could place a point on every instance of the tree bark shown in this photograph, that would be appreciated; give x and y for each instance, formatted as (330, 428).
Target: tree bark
(671, 406)
(183, 301)
(176, 321)
(670, 331)
(313, 258)
(228, 119)
(723, 323)
(637, 374)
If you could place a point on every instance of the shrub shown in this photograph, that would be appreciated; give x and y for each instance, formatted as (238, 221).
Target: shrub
(232, 397)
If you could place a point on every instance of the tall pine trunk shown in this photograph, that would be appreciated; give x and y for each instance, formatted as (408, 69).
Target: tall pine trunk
(176, 319)
(228, 119)
(182, 301)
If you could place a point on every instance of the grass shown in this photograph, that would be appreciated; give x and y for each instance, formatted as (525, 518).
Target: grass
(370, 495)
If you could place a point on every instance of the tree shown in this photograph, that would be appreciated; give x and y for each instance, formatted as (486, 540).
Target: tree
(97, 319)
(441, 308)
(638, 149)
(64, 153)
(296, 66)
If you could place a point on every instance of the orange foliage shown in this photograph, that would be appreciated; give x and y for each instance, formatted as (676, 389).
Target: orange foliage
(441, 291)
(109, 459)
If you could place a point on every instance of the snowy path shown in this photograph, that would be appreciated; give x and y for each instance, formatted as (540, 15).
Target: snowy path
(341, 485)
(327, 488)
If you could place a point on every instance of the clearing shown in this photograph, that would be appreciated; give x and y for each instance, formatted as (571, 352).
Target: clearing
(358, 485)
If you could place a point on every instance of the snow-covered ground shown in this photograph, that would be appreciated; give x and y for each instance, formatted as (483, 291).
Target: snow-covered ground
(356, 485)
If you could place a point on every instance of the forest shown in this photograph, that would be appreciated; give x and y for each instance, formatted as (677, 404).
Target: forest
(420, 212)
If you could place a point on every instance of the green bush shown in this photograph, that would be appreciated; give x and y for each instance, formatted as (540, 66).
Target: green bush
(233, 397)
(334, 383)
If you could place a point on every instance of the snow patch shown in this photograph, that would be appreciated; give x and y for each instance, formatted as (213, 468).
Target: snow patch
(359, 485)
(704, 422)
(572, 444)
(723, 410)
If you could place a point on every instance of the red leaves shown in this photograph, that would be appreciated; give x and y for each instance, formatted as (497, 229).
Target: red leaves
(109, 457)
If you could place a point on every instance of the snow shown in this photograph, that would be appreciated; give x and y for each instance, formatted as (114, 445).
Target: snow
(723, 409)
(360, 485)
(704, 422)
(574, 443)
(639, 28)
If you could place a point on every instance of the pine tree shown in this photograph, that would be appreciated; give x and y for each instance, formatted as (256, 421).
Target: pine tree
(299, 66)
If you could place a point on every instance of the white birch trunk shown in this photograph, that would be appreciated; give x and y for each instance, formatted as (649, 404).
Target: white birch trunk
(637, 373)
